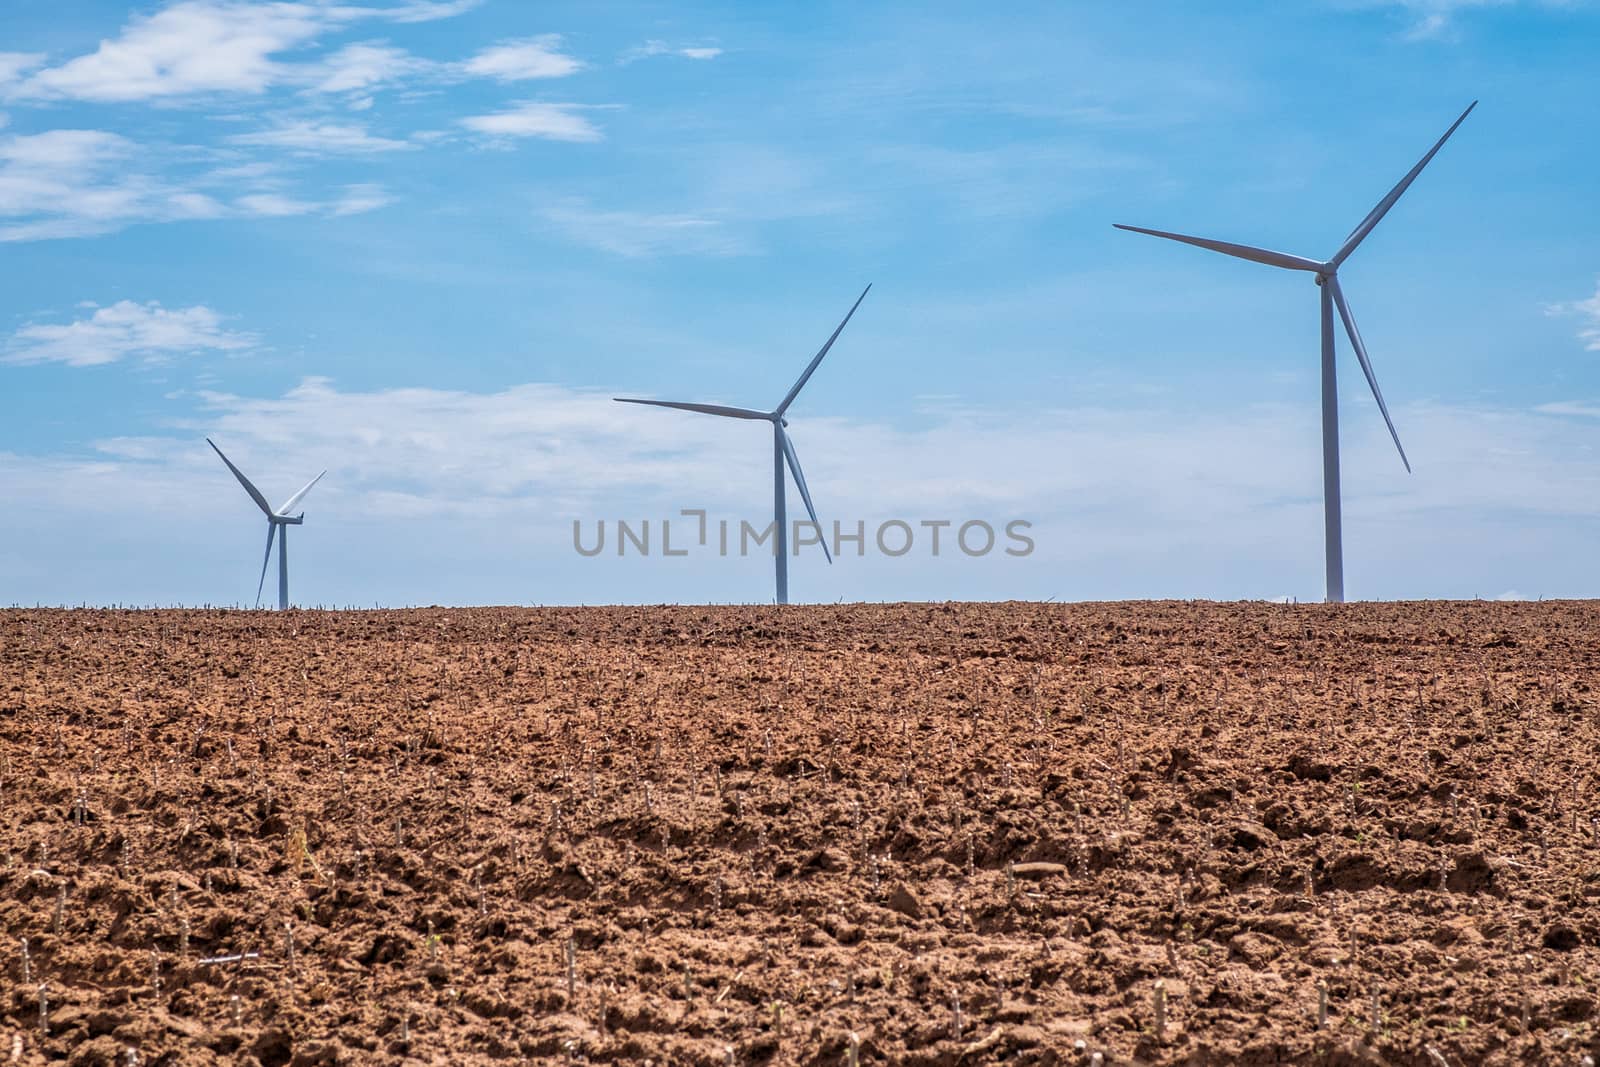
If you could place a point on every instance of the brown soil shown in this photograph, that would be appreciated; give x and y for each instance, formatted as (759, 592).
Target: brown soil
(963, 834)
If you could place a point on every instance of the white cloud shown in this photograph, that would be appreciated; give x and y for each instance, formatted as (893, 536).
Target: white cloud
(1126, 502)
(81, 183)
(257, 171)
(1570, 409)
(361, 67)
(203, 48)
(662, 48)
(1428, 20)
(640, 234)
(198, 46)
(533, 57)
(195, 206)
(554, 122)
(311, 138)
(274, 205)
(1428, 27)
(13, 65)
(1588, 312)
(352, 200)
(77, 149)
(70, 183)
(121, 330)
(222, 46)
(429, 10)
(359, 199)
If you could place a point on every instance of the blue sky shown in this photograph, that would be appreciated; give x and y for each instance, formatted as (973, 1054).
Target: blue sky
(422, 242)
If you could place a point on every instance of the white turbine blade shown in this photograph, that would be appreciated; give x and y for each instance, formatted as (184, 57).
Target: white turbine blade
(1227, 248)
(708, 409)
(255, 494)
(805, 377)
(805, 494)
(288, 505)
(1359, 234)
(272, 528)
(1366, 364)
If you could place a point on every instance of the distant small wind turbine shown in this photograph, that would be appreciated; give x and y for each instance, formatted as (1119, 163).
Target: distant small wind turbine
(1327, 275)
(782, 451)
(275, 519)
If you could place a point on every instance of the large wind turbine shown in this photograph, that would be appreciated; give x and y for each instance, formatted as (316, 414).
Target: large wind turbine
(782, 452)
(1327, 275)
(275, 519)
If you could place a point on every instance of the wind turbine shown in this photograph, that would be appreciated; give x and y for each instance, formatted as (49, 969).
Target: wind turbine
(275, 519)
(1327, 275)
(782, 452)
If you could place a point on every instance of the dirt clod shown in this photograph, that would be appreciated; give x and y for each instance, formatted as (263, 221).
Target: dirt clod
(961, 833)
(905, 901)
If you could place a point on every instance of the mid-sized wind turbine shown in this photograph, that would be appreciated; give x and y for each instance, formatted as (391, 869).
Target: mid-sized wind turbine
(282, 518)
(782, 452)
(1327, 276)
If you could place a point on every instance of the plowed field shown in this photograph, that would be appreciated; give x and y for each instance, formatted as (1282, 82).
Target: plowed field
(1159, 833)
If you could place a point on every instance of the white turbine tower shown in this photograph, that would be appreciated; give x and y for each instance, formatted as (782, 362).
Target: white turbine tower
(1327, 275)
(782, 452)
(275, 519)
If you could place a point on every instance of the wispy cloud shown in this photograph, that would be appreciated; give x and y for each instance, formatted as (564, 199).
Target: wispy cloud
(81, 183)
(359, 68)
(351, 200)
(258, 171)
(273, 205)
(520, 60)
(78, 183)
(316, 139)
(662, 48)
(195, 206)
(359, 199)
(13, 65)
(640, 234)
(197, 47)
(1588, 314)
(1111, 491)
(429, 10)
(57, 149)
(1570, 409)
(200, 46)
(1431, 20)
(1132, 468)
(123, 330)
(69, 183)
(554, 122)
